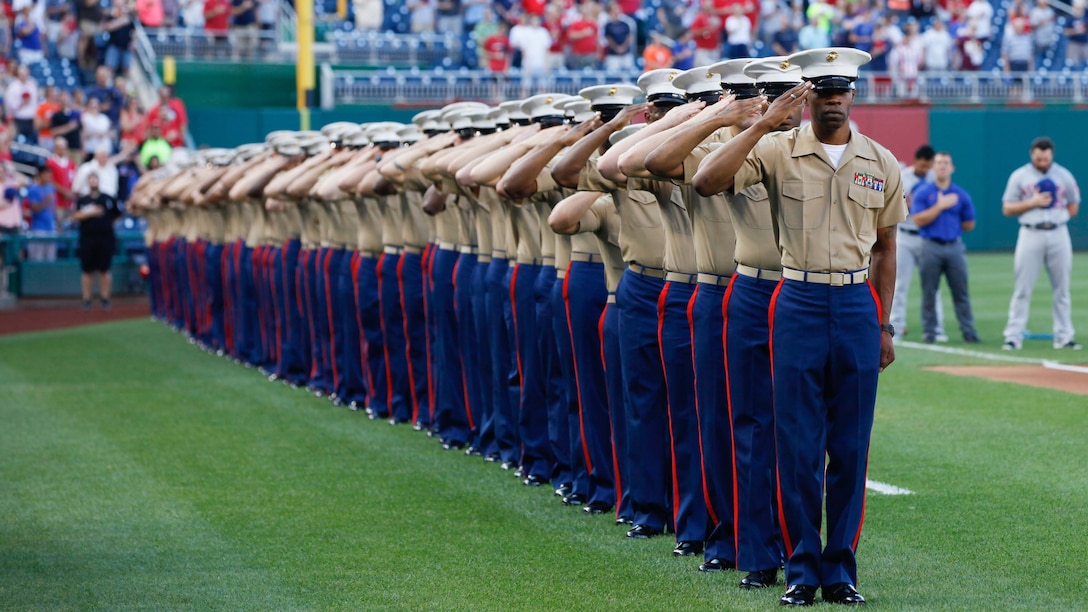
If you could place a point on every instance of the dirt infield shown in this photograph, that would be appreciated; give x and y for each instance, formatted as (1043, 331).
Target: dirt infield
(40, 315)
(1034, 376)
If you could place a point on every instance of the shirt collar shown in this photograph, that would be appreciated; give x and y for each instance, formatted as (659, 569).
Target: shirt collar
(808, 144)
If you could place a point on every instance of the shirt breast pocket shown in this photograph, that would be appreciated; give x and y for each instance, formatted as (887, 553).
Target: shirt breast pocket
(867, 204)
(803, 205)
(752, 207)
(866, 198)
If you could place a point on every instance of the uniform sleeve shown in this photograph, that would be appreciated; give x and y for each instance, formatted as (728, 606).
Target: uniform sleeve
(545, 182)
(755, 165)
(1012, 188)
(591, 179)
(692, 161)
(895, 206)
(920, 201)
(967, 207)
(592, 220)
(1072, 190)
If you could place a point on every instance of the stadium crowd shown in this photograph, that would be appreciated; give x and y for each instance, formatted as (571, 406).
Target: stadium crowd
(903, 36)
(592, 304)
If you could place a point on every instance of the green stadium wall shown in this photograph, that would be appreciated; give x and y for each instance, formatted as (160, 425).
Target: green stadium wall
(987, 143)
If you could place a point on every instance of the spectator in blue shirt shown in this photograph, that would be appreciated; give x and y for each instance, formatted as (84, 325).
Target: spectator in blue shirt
(943, 211)
(41, 199)
(28, 37)
(683, 52)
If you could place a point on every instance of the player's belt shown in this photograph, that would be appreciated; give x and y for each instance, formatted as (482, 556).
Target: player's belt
(942, 240)
(912, 232)
(390, 249)
(835, 279)
(611, 298)
(446, 246)
(529, 261)
(586, 257)
(468, 250)
(414, 250)
(498, 254)
(483, 259)
(1043, 226)
(644, 271)
(547, 261)
(366, 253)
(679, 277)
(759, 273)
(712, 279)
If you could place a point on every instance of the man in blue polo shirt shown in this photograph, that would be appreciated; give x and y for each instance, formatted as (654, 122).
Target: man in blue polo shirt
(943, 211)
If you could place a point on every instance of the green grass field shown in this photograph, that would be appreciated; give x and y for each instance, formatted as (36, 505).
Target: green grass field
(139, 472)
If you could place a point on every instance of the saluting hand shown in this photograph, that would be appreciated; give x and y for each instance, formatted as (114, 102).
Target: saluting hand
(579, 131)
(682, 113)
(736, 111)
(625, 116)
(781, 108)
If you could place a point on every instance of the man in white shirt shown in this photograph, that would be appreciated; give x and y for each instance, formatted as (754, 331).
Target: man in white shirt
(980, 16)
(104, 167)
(739, 30)
(21, 101)
(938, 45)
(533, 40)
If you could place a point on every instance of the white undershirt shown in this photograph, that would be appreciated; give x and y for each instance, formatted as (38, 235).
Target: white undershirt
(835, 153)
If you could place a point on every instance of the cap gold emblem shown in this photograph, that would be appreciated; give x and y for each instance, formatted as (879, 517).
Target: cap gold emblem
(832, 56)
(785, 64)
(549, 100)
(672, 75)
(612, 91)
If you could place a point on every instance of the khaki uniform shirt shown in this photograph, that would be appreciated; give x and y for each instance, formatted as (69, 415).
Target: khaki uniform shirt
(418, 225)
(392, 219)
(346, 222)
(498, 220)
(311, 228)
(827, 218)
(679, 250)
(641, 239)
(603, 223)
(369, 228)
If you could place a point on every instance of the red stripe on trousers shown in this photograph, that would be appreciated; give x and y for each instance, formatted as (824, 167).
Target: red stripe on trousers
(729, 407)
(385, 339)
(577, 378)
(332, 322)
(407, 340)
(698, 419)
(464, 375)
(786, 541)
(428, 253)
(615, 455)
(864, 497)
(661, 299)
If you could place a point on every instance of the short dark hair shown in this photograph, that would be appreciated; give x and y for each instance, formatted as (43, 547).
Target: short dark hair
(925, 152)
(1042, 143)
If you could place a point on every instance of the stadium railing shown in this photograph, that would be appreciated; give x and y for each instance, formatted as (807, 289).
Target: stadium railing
(23, 278)
(430, 87)
(189, 44)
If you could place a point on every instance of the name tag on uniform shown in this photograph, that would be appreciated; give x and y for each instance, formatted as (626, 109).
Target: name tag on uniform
(868, 180)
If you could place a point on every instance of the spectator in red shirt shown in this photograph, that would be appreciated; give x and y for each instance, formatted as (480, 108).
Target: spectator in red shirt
(497, 47)
(584, 38)
(217, 17)
(707, 30)
(170, 113)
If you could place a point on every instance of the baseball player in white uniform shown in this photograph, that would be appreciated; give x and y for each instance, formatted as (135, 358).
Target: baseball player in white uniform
(1043, 196)
(910, 244)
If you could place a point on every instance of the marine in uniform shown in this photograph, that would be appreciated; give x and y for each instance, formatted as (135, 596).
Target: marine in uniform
(836, 196)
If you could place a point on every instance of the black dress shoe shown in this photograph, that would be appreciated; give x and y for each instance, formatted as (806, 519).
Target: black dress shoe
(420, 426)
(597, 507)
(843, 593)
(532, 480)
(716, 565)
(687, 549)
(563, 490)
(472, 451)
(624, 521)
(453, 445)
(642, 532)
(760, 579)
(574, 499)
(374, 416)
(798, 595)
(509, 465)
(396, 421)
(519, 473)
(493, 459)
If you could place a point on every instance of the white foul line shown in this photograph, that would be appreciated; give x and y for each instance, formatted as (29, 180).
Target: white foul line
(886, 489)
(1046, 363)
